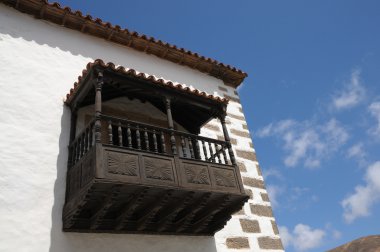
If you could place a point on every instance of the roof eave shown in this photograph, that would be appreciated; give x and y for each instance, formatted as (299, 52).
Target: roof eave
(75, 20)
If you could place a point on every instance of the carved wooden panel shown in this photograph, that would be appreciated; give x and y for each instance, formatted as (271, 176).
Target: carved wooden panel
(157, 168)
(197, 174)
(122, 163)
(224, 177)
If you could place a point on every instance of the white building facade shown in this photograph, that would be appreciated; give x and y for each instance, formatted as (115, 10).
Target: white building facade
(40, 61)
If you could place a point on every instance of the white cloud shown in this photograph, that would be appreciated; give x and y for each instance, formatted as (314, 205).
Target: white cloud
(272, 172)
(302, 238)
(352, 94)
(357, 152)
(274, 192)
(374, 109)
(306, 141)
(359, 203)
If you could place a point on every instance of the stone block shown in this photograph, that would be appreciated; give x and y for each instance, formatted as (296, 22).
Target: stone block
(253, 182)
(250, 155)
(237, 242)
(240, 133)
(274, 227)
(264, 197)
(270, 243)
(250, 226)
(261, 210)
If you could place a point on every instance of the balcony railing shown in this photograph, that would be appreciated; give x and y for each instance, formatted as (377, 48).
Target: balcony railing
(148, 138)
(139, 178)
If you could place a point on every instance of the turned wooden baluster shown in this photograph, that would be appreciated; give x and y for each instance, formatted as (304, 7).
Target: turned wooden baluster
(172, 141)
(155, 142)
(129, 136)
(219, 150)
(83, 143)
(120, 134)
(212, 157)
(77, 154)
(224, 155)
(183, 144)
(74, 154)
(110, 132)
(191, 147)
(89, 138)
(81, 146)
(146, 138)
(86, 140)
(138, 137)
(92, 129)
(204, 149)
(163, 145)
(197, 150)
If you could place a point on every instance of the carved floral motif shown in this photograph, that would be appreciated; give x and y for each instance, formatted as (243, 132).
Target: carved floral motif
(122, 163)
(225, 178)
(197, 175)
(159, 169)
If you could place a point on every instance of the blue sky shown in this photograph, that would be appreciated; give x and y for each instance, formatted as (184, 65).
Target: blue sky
(312, 99)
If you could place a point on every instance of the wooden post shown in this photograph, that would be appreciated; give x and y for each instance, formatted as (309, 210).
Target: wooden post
(170, 125)
(98, 107)
(227, 139)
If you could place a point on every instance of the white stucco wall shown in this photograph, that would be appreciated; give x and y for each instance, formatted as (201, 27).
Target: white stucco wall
(39, 62)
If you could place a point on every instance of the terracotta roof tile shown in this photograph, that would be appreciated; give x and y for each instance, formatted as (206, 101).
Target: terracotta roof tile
(143, 76)
(53, 12)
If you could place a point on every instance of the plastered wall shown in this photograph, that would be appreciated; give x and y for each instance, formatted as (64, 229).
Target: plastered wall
(39, 62)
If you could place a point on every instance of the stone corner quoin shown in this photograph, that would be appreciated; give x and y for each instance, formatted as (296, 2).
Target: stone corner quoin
(256, 226)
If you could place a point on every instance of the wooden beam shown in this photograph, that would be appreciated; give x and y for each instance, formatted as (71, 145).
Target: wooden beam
(103, 209)
(166, 219)
(185, 222)
(204, 221)
(157, 205)
(130, 208)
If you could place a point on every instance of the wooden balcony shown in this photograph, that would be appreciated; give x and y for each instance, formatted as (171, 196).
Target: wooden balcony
(132, 177)
(138, 178)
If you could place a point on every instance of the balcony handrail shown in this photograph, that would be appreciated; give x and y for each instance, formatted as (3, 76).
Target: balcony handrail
(130, 134)
(177, 132)
(131, 122)
(211, 140)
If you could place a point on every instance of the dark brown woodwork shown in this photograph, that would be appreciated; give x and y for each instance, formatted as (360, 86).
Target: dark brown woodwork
(155, 146)
(227, 138)
(98, 107)
(141, 178)
(129, 195)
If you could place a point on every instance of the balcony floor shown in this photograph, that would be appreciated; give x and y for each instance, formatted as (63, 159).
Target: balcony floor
(119, 190)
(128, 208)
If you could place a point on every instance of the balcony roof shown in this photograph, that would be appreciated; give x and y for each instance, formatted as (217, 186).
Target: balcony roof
(75, 20)
(141, 76)
(191, 108)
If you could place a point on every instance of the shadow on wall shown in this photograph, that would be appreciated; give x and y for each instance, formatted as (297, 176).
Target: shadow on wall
(80, 49)
(65, 241)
